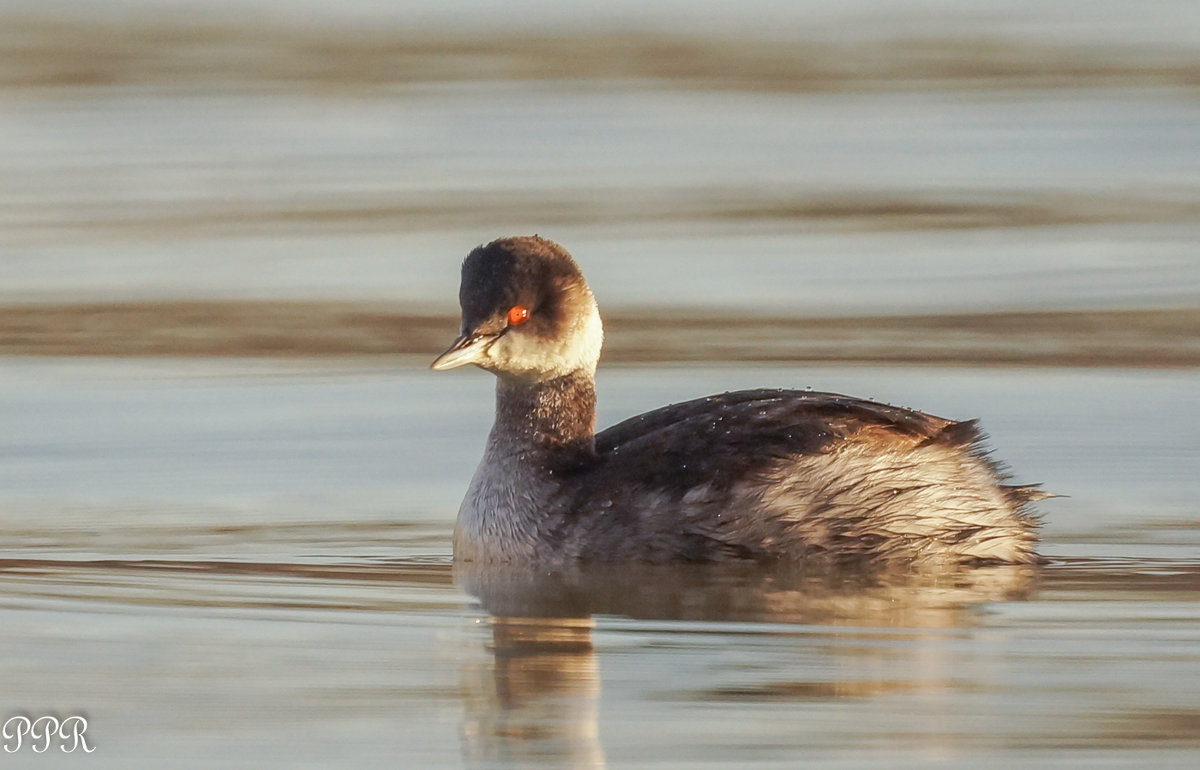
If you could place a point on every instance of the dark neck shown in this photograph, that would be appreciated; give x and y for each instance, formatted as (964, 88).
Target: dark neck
(555, 415)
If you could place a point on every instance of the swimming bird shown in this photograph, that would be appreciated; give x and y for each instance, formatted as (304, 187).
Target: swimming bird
(752, 474)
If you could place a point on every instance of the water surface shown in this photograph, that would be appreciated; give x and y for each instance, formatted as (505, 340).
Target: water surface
(231, 563)
(229, 240)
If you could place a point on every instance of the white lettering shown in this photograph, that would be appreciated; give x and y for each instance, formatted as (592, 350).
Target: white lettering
(43, 731)
(44, 735)
(79, 726)
(15, 732)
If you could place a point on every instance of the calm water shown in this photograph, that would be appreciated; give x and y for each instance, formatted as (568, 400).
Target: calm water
(227, 562)
(238, 562)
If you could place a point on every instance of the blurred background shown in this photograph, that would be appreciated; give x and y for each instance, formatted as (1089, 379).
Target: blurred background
(230, 234)
(780, 159)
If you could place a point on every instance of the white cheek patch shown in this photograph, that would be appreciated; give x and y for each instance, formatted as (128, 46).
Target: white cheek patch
(578, 349)
(586, 340)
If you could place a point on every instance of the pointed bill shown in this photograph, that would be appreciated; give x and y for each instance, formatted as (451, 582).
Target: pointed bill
(467, 349)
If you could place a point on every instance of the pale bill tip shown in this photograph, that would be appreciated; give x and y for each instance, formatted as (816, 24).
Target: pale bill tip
(465, 350)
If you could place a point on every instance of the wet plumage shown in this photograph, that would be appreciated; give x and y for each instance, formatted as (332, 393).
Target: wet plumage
(762, 474)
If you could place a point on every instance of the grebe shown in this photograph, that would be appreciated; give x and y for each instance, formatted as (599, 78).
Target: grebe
(754, 474)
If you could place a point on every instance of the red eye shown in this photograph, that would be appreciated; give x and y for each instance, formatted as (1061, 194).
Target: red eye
(517, 315)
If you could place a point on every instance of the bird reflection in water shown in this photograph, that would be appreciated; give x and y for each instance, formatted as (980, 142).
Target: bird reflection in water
(537, 699)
